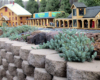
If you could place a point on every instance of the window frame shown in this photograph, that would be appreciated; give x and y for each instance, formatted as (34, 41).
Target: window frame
(79, 12)
(73, 12)
(73, 23)
(20, 18)
(6, 9)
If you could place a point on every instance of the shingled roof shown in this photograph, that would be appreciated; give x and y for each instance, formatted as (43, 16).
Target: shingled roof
(17, 9)
(78, 4)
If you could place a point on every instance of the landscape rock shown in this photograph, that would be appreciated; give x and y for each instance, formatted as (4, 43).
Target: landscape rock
(4, 78)
(1, 32)
(15, 78)
(37, 57)
(55, 65)
(3, 53)
(2, 72)
(42, 74)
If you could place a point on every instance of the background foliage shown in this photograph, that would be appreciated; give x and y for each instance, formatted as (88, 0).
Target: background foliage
(19, 2)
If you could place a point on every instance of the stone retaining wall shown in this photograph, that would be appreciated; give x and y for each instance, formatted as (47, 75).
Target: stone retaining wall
(18, 61)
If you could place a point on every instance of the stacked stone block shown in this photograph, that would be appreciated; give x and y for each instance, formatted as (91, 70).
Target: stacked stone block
(18, 61)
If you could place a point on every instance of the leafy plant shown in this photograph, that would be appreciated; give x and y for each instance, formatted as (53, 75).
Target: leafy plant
(74, 47)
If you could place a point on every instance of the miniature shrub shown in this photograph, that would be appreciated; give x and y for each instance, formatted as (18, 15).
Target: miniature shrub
(15, 32)
(73, 47)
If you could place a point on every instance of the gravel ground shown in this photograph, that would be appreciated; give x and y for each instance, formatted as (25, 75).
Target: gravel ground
(60, 29)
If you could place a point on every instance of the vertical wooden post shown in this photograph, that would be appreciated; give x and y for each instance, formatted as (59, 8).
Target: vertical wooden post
(47, 22)
(82, 24)
(88, 24)
(68, 23)
(55, 23)
(59, 23)
(95, 23)
(33, 22)
(63, 23)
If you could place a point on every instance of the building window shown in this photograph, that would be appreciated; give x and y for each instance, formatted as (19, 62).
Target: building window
(74, 23)
(5, 9)
(12, 18)
(16, 23)
(9, 14)
(20, 18)
(15, 18)
(12, 13)
(81, 11)
(26, 17)
(1, 14)
(74, 12)
(9, 18)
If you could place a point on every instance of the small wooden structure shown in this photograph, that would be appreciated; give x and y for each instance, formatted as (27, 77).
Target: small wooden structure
(43, 19)
(82, 17)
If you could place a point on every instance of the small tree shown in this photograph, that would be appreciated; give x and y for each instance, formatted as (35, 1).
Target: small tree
(90, 3)
(32, 6)
(52, 5)
(19, 2)
(65, 6)
(62, 15)
(42, 6)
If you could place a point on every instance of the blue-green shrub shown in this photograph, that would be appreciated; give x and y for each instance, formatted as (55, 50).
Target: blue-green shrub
(73, 47)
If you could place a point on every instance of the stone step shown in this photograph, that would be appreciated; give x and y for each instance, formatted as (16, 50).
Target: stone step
(9, 77)
(12, 69)
(5, 64)
(55, 65)
(15, 78)
(37, 57)
(58, 78)
(18, 61)
(10, 57)
(42, 74)
(4, 78)
(29, 78)
(3, 53)
(83, 71)
(15, 48)
(28, 69)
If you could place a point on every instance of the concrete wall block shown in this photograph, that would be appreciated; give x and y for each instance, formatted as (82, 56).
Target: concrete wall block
(18, 61)
(12, 69)
(28, 69)
(10, 57)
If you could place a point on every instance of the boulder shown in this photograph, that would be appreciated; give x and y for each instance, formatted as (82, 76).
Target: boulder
(83, 71)
(3, 53)
(4, 78)
(37, 57)
(55, 65)
(15, 78)
(2, 72)
(42, 74)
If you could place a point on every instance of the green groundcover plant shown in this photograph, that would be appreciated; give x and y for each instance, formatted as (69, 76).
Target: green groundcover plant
(72, 45)
(15, 32)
